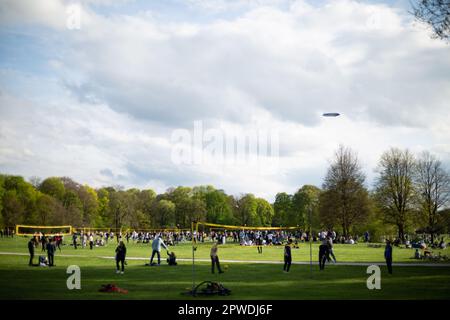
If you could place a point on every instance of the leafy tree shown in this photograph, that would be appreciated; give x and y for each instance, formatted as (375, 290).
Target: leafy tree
(218, 207)
(47, 208)
(264, 212)
(103, 207)
(13, 208)
(25, 194)
(164, 213)
(146, 199)
(89, 202)
(53, 187)
(345, 200)
(395, 189)
(433, 190)
(304, 200)
(74, 209)
(180, 197)
(246, 213)
(282, 209)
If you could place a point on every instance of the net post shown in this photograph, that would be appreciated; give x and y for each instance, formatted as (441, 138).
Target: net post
(193, 256)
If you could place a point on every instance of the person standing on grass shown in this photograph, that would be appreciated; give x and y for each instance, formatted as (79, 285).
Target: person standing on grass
(156, 247)
(91, 241)
(330, 250)
(388, 255)
(215, 258)
(43, 242)
(121, 252)
(323, 254)
(287, 256)
(74, 240)
(31, 251)
(258, 241)
(51, 252)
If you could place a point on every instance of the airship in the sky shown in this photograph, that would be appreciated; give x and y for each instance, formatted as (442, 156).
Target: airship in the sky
(330, 114)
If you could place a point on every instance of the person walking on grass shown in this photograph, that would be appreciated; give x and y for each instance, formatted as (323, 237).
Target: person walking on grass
(323, 254)
(31, 251)
(215, 258)
(287, 256)
(156, 247)
(388, 255)
(121, 253)
(330, 250)
(51, 252)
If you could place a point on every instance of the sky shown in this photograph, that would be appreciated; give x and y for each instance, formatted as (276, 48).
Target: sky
(157, 94)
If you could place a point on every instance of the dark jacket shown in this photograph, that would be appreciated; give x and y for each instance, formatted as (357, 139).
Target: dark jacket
(388, 252)
(287, 251)
(31, 247)
(50, 248)
(121, 253)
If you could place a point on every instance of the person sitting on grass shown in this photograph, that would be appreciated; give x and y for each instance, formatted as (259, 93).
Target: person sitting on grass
(172, 259)
(121, 252)
(417, 254)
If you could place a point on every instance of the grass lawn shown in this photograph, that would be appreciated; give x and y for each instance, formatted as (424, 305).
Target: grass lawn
(246, 280)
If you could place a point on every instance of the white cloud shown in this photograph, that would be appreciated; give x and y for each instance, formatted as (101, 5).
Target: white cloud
(122, 83)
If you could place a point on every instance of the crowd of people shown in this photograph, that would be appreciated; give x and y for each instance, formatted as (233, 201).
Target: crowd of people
(259, 238)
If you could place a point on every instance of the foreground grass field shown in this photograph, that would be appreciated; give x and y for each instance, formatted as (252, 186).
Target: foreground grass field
(246, 280)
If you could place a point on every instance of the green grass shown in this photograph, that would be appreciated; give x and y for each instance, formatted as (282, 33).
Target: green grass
(246, 280)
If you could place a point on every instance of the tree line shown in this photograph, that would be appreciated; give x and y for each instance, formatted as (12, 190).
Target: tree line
(411, 193)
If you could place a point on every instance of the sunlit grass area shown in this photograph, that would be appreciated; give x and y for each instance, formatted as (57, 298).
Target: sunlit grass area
(246, 280)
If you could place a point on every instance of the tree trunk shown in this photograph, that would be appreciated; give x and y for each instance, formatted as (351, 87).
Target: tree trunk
(401, 232)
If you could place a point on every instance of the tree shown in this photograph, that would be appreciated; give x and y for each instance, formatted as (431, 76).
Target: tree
(218, 207)
(74, 208)
(145, 204)
(103, 207)
(164, 213)
(436, 14)
(180, 197)
(246, 213)
(13, 208)
(433, 190)
(53, 187)
(25, 194)
(305, 199)
(89, 202)
(35, 181)
(394, 188)
(47, 208)
(344, 200)
(282, 209)
(264, 212)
